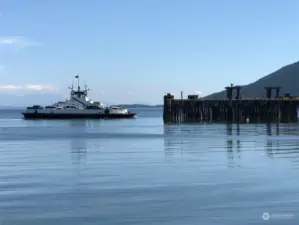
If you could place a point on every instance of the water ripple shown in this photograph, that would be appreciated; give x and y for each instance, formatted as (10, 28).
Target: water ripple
(143, 172)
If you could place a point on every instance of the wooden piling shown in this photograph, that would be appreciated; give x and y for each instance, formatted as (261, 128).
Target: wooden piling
(238, 110)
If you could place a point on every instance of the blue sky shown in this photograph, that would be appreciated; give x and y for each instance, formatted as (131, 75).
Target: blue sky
(133, 51)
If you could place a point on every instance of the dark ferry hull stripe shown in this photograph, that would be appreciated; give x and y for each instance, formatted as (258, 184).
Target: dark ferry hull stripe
(77, 116)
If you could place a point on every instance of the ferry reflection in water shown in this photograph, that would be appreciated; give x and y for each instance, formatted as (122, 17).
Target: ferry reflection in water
(78, 143)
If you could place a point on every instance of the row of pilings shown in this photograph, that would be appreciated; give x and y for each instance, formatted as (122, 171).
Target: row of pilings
(237, 110)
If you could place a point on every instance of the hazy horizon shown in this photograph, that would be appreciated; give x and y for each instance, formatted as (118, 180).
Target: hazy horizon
(20, 101)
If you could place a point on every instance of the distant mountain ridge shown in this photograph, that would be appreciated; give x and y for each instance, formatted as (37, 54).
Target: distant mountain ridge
(286, 77)
(139, 106)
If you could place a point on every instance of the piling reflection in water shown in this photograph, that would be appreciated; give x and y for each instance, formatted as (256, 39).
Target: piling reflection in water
(269, 143)
(181, 139)
(200, 141)
(239, 142)
(270, 126)
(173, 140)
(233, 145)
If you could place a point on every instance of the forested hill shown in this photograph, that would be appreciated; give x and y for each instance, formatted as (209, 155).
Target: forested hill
(286, 77)
(139, 106)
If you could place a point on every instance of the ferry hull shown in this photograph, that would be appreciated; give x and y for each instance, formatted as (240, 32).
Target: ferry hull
(77, 116)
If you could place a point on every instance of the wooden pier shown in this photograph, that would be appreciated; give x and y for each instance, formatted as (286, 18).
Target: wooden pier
(239, 110)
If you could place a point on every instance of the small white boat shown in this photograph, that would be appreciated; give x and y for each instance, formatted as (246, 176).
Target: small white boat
(77, 106)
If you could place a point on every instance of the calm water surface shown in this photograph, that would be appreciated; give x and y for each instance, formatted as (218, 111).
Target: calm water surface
(143, 172)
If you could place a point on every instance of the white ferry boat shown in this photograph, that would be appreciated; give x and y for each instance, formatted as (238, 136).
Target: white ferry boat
(77, 106)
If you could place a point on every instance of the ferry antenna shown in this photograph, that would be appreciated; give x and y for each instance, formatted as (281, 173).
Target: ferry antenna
(77, 76)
